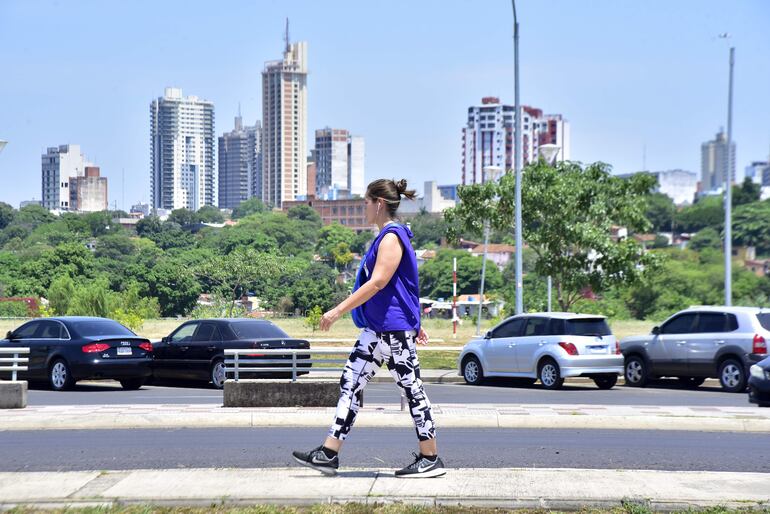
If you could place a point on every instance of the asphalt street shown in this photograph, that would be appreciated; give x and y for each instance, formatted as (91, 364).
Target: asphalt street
(664, 392)
(69, 450)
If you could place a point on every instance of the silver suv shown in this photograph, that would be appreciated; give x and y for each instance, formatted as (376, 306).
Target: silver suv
(699, 343)
(548, 346)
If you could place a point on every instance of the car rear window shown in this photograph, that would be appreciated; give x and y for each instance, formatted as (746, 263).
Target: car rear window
(102, 328)
(587, 327)
(256, 330)
(764, 320)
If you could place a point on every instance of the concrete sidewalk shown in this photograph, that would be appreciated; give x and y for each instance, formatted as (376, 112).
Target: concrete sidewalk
(730, 419)
(504, 488)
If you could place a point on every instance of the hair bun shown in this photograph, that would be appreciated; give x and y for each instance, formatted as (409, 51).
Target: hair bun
(401, 186)
(401, 189)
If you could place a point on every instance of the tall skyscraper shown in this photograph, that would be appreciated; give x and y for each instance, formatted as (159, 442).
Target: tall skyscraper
(284, 120)
(182, 152)
(240, 164)
(58, 165)
(714, 162)
(339, 164)
(488, 137)
(356, 158)
(88, 193)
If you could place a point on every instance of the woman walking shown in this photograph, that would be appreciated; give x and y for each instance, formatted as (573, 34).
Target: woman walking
(385, 305)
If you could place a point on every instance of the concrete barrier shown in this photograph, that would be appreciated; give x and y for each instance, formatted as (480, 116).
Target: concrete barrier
(282, 393)
(13, 394)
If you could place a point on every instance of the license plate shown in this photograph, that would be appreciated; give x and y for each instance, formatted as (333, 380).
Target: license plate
(124, 351)
(598, 349)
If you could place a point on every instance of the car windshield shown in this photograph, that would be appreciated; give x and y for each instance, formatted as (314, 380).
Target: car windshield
(588, 327)
(764, 320)
(256, 330)
(101, 328)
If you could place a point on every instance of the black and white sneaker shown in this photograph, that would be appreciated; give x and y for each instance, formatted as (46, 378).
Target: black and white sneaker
(423, 467)
(317, 459)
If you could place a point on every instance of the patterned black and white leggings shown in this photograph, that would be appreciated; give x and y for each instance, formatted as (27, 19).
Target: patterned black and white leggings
(398, 350)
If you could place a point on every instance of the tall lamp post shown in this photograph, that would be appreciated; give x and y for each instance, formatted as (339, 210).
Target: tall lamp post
(491, 174)
(729, 185)
(517, 162)
(548, 153)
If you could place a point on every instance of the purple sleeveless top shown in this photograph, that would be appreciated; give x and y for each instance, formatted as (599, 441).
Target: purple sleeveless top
(397, 305)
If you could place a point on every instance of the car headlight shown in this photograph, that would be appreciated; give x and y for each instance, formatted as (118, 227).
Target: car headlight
(758, 372)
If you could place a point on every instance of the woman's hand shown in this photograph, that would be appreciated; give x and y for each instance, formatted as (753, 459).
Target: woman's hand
(422, 336)
(328, 319)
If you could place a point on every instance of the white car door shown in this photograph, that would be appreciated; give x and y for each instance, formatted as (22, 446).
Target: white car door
(536, 335)
(500, 350)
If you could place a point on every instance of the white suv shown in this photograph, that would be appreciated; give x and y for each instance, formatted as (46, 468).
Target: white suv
(698, 343)
(548, 346)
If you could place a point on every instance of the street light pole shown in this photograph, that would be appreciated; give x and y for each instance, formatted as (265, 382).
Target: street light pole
(491, 173)
(517, 163)
(729, 190)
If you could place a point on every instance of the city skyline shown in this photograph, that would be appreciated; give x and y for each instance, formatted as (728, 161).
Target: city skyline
(617, 72)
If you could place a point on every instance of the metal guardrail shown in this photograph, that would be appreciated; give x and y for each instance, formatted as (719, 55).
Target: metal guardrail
(14, 361)
(234, 365)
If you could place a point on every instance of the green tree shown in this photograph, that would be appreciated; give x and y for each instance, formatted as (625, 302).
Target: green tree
(312, 285)
(60, 294)
(183, 217)
(706, 238)
(305, 213)
(175, 286)
(30, 216)
(249, 207)
(427, 229)
(334, 242)
(708, 211)
(660, 212)
(436, 275)
(568, 212)
(313, 318)
(361, 241)
(747, 192)
(7, 213)
(210, 214)
(91, 299)
(751, 225)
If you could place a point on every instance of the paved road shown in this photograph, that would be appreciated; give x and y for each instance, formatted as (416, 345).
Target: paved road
(69, 450)
(499, 391)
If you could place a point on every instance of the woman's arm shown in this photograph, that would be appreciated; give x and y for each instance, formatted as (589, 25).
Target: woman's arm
(388, 258)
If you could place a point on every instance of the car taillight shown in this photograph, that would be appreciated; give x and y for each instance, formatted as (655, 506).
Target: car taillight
(759, 345)
(569, 348)
(146, 346)
(617, 348)
(95, 347)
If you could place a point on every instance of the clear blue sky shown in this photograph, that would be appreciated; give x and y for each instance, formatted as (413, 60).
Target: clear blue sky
(626, 74)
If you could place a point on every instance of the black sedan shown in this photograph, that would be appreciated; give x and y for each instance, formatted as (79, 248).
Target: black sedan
(66, 349)
(759, 383)
(195, 350)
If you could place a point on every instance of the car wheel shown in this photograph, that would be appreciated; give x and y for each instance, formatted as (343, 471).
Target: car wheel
(217, 374)
(606, 382)
(59, 376)
(692, 382)
(550, 375)
(472, 372)
(132, 384)
(732, 376)
(635, 372)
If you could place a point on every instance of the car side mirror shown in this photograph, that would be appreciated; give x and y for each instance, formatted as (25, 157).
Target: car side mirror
(9, 335)
(165, 339)
(488, 335)
(655, 331)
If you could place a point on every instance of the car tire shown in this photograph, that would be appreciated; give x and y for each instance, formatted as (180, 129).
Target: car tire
(691, 382)
(217, 374)
(60, 376)
(549, 374)
(132, 384)
(732, 376)
(635, 372)
(606, 381)
(472, 371)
